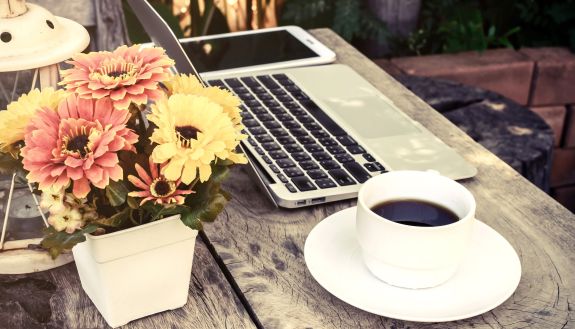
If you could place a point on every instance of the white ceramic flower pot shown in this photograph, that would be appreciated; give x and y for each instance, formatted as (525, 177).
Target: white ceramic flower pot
(139, 271)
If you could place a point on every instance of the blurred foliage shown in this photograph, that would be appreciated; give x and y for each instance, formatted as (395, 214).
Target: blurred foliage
(351, 19)
(447, 26)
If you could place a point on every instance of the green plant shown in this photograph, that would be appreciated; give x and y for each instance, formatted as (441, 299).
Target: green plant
(448, 26)
(349, 18)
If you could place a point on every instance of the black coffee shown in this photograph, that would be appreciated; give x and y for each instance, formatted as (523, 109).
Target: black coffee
(415, 212)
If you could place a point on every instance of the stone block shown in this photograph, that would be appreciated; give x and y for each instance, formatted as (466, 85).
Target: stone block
(388, 67)
(565, 196)
(563, 167)
(504, 71)
(569, 130)
(554, 116)
(554, 77)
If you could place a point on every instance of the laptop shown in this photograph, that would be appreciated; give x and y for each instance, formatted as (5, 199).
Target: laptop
(317, 133)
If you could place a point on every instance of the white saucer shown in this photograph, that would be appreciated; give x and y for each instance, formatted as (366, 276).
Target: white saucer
(488, 276)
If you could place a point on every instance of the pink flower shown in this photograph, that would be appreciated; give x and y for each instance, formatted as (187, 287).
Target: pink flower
(156, 187)
(77, 143)
(126, 75)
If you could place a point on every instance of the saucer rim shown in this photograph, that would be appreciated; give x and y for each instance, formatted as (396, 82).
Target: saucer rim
(404, 317)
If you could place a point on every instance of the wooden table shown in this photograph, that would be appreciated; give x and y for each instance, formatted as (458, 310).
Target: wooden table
(249, 270)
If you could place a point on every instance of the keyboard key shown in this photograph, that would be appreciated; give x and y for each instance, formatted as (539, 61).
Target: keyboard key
(291, 125)
(298, 112)
(264, 138)
(325, 183)
(311, 148)
(335, 149)
(257, 89)
(293, 172)
(257, 130)
(303, 183)
(378, 166)
(343, 158)
(268, 81)
(357, 171)
(293, 148)
(272, 124)
(321, 156)
(317, 174)
(258, 110)
(355, 149)
(260, 150)
(265, 117)
(246, 115)
(311, 126)
(291, 188)
(285, 163)
(346, 140)
(285, 140)
(274, 168)
(277, 110)
(293, 88)
(320, 133)
(329, 164)
(271, 103)
(368, 157)
(281, 77)
(298, 132)
(271, 146)
(305, 118)
(323, 118)
(341, 177)
(327, 141)
(252, 103)
(305, 139)
(246, 97)
(292, 105)
(300, 156)
(308, 165)
(264, 97)
(278, 154)
(252, 142)
(267, 159)
(300, 96)
(283, 117)
(278, 132)
(282, 178)
(249, 81)
(218, 83)
(251, 123)
(284, 98)
(233, 82)
(278, 92)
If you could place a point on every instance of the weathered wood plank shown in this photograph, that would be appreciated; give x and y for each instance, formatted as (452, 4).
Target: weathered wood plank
(55, 299)
(262, 246)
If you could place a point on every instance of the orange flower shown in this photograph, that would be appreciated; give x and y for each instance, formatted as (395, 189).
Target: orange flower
(126, 75)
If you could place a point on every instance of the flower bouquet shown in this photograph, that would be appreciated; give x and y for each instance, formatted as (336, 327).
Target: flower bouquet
(124, 144)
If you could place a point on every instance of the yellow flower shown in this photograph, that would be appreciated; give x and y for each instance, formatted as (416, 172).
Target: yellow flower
(192, 132)
(14, 120)
(189, 85)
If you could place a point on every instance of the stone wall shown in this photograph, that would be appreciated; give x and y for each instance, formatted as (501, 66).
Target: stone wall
(542, 79)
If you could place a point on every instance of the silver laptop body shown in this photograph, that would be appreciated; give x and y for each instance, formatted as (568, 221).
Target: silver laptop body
(288, 113)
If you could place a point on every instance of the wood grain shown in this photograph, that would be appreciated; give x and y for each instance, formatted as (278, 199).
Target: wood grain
(55, 299)
(262, 246)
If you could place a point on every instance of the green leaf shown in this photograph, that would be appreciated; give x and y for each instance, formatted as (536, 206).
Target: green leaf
(132, 202)
(116, 220)
(116, 193)
(214, 208)
(191, 220)
(56, 242)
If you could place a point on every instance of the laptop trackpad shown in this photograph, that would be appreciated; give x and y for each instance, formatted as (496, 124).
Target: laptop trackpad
(370, 117)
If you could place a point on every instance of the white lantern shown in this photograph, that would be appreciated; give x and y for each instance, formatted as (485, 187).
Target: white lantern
(32, 44)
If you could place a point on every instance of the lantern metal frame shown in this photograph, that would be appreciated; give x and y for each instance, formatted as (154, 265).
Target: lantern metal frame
(32, 38)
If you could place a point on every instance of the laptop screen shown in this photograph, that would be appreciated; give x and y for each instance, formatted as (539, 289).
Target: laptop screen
(245, 50)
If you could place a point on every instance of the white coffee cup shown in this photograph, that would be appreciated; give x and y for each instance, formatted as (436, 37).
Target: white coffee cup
(413, 256)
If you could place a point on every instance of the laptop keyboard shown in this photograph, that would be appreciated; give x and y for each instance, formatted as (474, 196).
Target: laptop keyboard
(295, 139)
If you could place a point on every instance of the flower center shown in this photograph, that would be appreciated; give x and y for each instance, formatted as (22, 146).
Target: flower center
(118, 70)
(186, 133)
(161, 187)
(77, 142)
